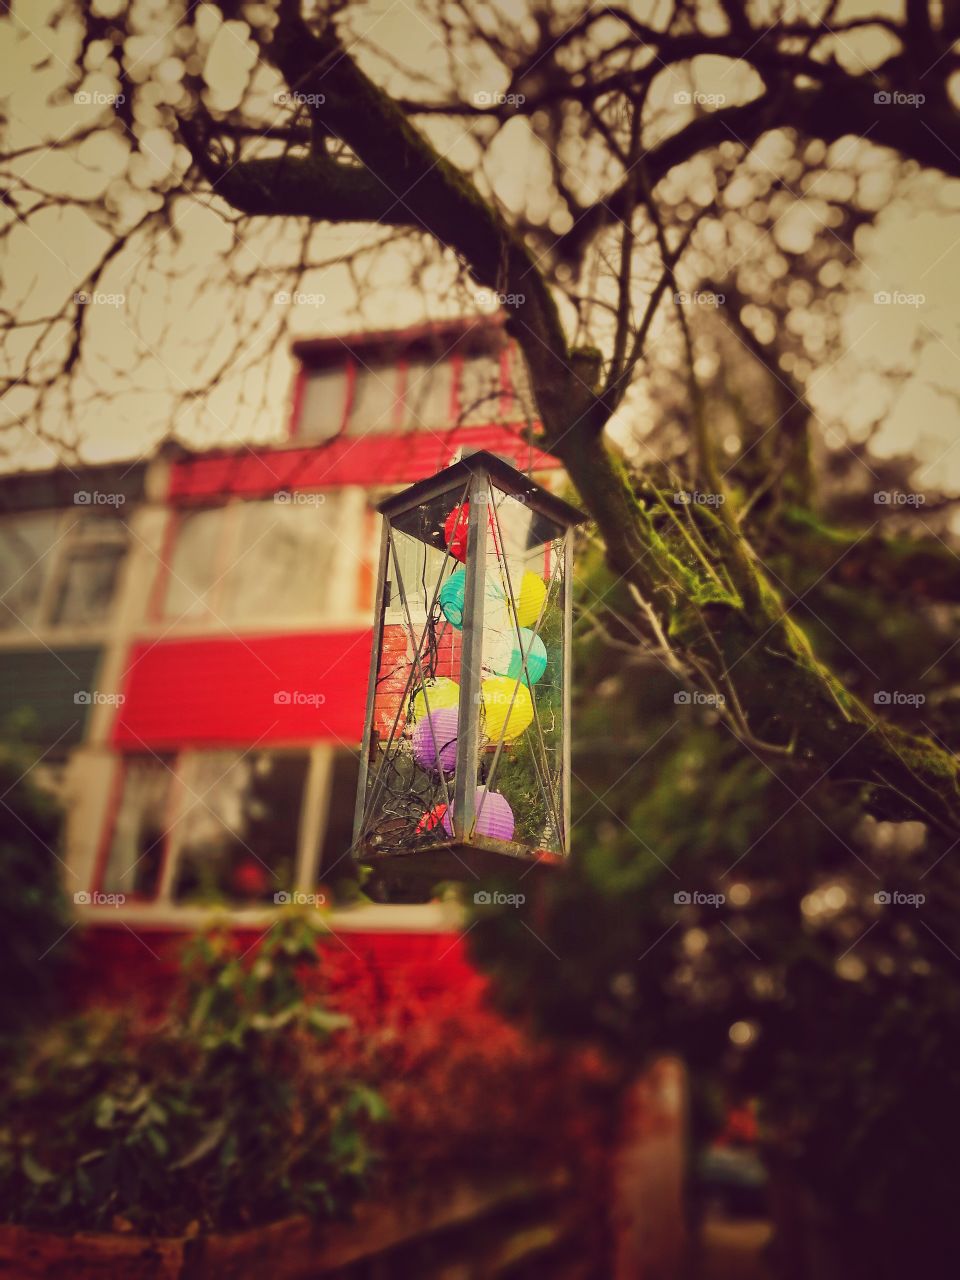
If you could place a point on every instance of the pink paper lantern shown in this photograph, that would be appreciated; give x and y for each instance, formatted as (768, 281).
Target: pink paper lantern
(494, 816)
(435, 740)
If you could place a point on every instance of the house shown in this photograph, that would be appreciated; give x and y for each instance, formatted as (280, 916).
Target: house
(187, 637)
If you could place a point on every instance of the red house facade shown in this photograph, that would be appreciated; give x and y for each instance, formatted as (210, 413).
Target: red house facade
(194, 631)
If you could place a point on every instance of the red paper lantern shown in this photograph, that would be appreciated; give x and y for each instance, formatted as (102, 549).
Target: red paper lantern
(430, 821)
(455, 531)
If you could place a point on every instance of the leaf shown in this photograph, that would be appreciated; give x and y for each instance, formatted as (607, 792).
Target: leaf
(35, 1171)
(325, 1020)
(370, 1101)
(158, 1141)
(269, 1022)
(207, 1143)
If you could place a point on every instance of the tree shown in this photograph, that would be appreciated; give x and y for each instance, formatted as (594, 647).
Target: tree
(330, 145)
(623, 186)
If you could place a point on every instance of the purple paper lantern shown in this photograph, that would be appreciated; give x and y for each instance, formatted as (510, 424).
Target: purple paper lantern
(494, 816)
(435, 740)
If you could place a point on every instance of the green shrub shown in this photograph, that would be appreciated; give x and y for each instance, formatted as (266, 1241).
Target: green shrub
(232, 1111)
(33, 917)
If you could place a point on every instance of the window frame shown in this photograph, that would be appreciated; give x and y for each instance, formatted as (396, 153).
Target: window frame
(70, 538)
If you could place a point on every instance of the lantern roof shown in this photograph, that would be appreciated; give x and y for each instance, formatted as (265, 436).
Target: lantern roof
(505, 476)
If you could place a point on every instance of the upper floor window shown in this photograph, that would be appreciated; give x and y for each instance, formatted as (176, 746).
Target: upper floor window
(261, 560)
(416, 392)
(58, 568)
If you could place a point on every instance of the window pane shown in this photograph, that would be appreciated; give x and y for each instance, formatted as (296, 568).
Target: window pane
(323, 404)
(427, 401)
(374, 401)
(238, 837)
(25, 545)
(284, 558)
(337, 838)
(193, 566)
(480, 390)
(139, 831)
(89, 573)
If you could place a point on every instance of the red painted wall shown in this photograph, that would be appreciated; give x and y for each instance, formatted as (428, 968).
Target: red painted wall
(373, 460)
(373, 971)
(227, 691)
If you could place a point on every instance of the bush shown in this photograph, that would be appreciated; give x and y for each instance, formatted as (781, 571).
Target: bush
(33, 917)
(230, 1112)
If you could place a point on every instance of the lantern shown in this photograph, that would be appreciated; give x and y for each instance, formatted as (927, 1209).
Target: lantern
(465, 762)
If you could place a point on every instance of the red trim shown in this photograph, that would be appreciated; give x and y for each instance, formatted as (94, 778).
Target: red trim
(350, 369)
(367, 461)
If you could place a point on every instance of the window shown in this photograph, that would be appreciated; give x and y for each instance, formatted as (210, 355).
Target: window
(239, 833)
(256, 561)
(284, 559)
(480, 390)
(222, 826)
(375, 400)
(337, 837)
(192, 573)
(415, 392)
(58, 568)
(88, 572)
(428, 398)
(323, 403)
(135, 856)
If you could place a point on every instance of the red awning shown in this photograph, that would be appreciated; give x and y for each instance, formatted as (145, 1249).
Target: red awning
(293, 688)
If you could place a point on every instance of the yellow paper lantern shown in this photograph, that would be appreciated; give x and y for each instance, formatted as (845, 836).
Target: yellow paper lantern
(439, 693)
(530, 598)
(507, 708)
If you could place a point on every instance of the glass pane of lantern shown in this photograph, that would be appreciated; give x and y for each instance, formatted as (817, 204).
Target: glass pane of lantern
(521, 694)
(416, 700)
(466, 723)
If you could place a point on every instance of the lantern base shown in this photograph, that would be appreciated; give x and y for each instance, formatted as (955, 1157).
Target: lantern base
(472, 861)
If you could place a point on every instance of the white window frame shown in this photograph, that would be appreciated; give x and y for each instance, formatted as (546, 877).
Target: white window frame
(65, 543)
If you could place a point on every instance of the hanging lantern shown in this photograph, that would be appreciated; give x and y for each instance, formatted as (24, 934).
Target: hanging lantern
(435, 695)
(451, 600)
(509, 652)
(507, 708)
(530, 598)
(494, 816)
(465, 768)
(455, 531)
(435, 740)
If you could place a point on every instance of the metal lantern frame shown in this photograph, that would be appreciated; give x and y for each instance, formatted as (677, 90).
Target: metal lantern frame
(471, 483)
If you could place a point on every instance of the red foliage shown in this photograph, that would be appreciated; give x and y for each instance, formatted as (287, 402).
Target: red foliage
(470, 1094)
